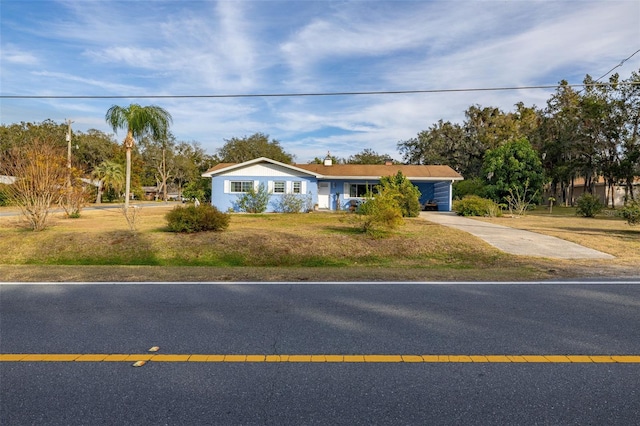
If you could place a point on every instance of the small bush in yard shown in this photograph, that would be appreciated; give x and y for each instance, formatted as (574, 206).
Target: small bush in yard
(204, 217)
(254, 201)
(379, 213)
(408, 195)
(588, 205)
(473, 205)
(291, 203)
(631, 213)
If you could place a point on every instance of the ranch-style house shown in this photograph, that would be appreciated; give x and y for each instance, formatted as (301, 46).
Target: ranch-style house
(328, 186)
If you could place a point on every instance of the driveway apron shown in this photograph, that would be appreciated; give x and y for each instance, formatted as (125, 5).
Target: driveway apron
(516, 241)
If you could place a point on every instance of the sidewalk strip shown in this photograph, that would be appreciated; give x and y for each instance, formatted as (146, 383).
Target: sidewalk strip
(327, 358)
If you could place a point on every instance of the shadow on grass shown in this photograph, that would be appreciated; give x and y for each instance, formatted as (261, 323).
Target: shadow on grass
(630, 233)
(344, 230)
(113, 248)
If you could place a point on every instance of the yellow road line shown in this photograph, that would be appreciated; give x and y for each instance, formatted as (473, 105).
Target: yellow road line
(323, 358)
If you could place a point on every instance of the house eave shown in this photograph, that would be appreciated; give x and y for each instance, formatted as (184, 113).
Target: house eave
(256, 161)
(410, 178)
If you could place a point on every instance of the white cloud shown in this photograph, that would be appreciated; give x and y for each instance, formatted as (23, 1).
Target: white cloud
(14, 55)
(268, 47)
(58, 77)
(130, 56)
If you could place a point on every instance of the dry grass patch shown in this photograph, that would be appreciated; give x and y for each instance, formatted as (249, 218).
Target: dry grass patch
(101, 237)
(604, 233)
(275, 247)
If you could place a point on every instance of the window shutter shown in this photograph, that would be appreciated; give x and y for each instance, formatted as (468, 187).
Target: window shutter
(346, 192)
(287, 188)
(303, 187)
(227, 187)
(256, 185)
(270, 186)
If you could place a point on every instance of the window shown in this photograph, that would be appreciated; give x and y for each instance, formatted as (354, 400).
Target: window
(297, 187)
(360, 189)
(241, 185)
(278, 187)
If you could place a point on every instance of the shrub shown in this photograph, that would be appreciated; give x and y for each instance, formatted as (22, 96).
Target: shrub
(473, 205)
(475, 186)
(588, 205)
(631, 212)
(75, 197)
(379, 213)
(40, 168)
(254, 201)
(408, 195)
(190, 218)
(518, 201)
(291, 203)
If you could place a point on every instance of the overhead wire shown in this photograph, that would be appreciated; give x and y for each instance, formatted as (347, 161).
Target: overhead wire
(305, 94)
(318, 94)
(617, 66)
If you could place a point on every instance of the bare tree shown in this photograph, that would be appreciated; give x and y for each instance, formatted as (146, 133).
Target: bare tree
(41, 175)
(76, 196)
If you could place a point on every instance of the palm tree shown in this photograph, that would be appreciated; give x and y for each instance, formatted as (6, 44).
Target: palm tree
(138, 121)
(110, 175)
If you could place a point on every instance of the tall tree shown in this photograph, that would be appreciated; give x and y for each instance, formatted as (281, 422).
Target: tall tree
(486, 126)
(92, 148)
(490, 127)
(559, 135)
(16, 135)
(608, 113)
(368, 156)
(239, 150)
(138, 121)
(513, 169)
(462, 147)
(159, 158)
(443, 143)
(629, 104)
(191, 161)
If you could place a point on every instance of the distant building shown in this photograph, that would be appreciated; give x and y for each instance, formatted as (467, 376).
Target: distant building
(600, 190)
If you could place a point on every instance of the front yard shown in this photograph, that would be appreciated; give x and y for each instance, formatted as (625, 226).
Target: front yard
(314, 247)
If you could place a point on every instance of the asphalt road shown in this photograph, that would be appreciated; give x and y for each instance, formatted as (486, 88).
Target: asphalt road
(348, 319)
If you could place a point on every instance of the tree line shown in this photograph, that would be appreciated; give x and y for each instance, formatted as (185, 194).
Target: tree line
(160, 161)
(579, 136)
(163, 162)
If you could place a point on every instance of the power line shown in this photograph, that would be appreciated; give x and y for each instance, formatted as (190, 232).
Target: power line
(617, 66)
(309, 94)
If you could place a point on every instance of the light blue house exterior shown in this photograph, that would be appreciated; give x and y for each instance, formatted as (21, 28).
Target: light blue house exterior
(324, 186)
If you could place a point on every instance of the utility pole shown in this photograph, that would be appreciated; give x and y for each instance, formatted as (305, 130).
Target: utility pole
(68, 137)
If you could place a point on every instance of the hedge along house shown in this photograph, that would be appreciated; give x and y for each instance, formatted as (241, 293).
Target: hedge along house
(327, 186)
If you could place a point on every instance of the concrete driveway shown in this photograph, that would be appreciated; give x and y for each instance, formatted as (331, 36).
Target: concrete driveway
(516, 241)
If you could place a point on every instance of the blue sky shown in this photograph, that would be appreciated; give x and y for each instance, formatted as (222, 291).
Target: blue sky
(86, 47)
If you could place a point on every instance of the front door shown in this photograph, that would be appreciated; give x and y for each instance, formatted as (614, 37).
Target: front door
(323, 195)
